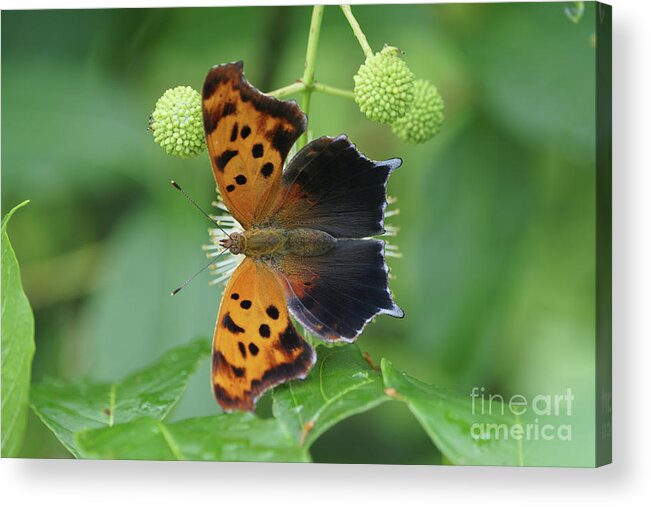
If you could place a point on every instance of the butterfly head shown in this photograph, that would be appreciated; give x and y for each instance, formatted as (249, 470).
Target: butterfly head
(235, 242)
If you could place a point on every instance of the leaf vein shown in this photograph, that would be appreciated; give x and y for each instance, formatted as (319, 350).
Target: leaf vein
(169, 440)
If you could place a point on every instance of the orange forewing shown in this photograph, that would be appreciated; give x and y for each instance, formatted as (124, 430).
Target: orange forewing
(256, 345)
(248, 135)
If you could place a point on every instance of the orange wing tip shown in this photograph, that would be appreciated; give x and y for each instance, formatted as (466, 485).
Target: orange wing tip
(288, 110)
(298, 369)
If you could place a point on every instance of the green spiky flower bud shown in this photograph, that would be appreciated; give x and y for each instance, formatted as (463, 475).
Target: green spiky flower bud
(425, 117)
(384, 86)
(177, 122)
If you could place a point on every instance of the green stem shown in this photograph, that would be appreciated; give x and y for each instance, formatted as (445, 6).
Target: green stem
(357, 30)
(331, 90)
(312, 45)
(310, 64)
(300, 86)
(296, 87)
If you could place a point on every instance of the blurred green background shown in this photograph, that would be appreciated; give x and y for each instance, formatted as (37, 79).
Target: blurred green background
(497, 212)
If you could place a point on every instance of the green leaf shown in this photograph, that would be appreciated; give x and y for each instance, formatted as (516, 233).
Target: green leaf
(17, 348)
(227, 437)
(69, 408)
(341, 384)
(449, 420)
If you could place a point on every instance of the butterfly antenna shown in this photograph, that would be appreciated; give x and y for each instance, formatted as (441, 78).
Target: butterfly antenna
(178, 187)
(212, 261)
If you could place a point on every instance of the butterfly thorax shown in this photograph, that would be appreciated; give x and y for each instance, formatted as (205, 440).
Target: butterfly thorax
(258, 242)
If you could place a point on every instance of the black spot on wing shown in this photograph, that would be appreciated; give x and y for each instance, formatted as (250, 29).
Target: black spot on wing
(281, 139)
(290, 339)
(209, 122)
(230, 188)
(253, 348)
(228, 109)
(257, 150)
(228, 323)
(238, 372)
(235, 296)
(221, 364)
(273, 312)
(245, 304)
(242, 348)
(234, 132)
(265, 331)
(240, 179)
(267, 169)
(246, 130)
(225, 158)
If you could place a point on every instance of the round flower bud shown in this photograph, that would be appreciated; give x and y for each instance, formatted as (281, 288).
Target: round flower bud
(425, 117)
(384, 86)
(177, 122)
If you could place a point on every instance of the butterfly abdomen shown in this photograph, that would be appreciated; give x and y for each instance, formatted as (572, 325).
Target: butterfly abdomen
(270, 241)
(309, 242)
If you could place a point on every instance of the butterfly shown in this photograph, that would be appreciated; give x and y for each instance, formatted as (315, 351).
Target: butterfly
(306, 238)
